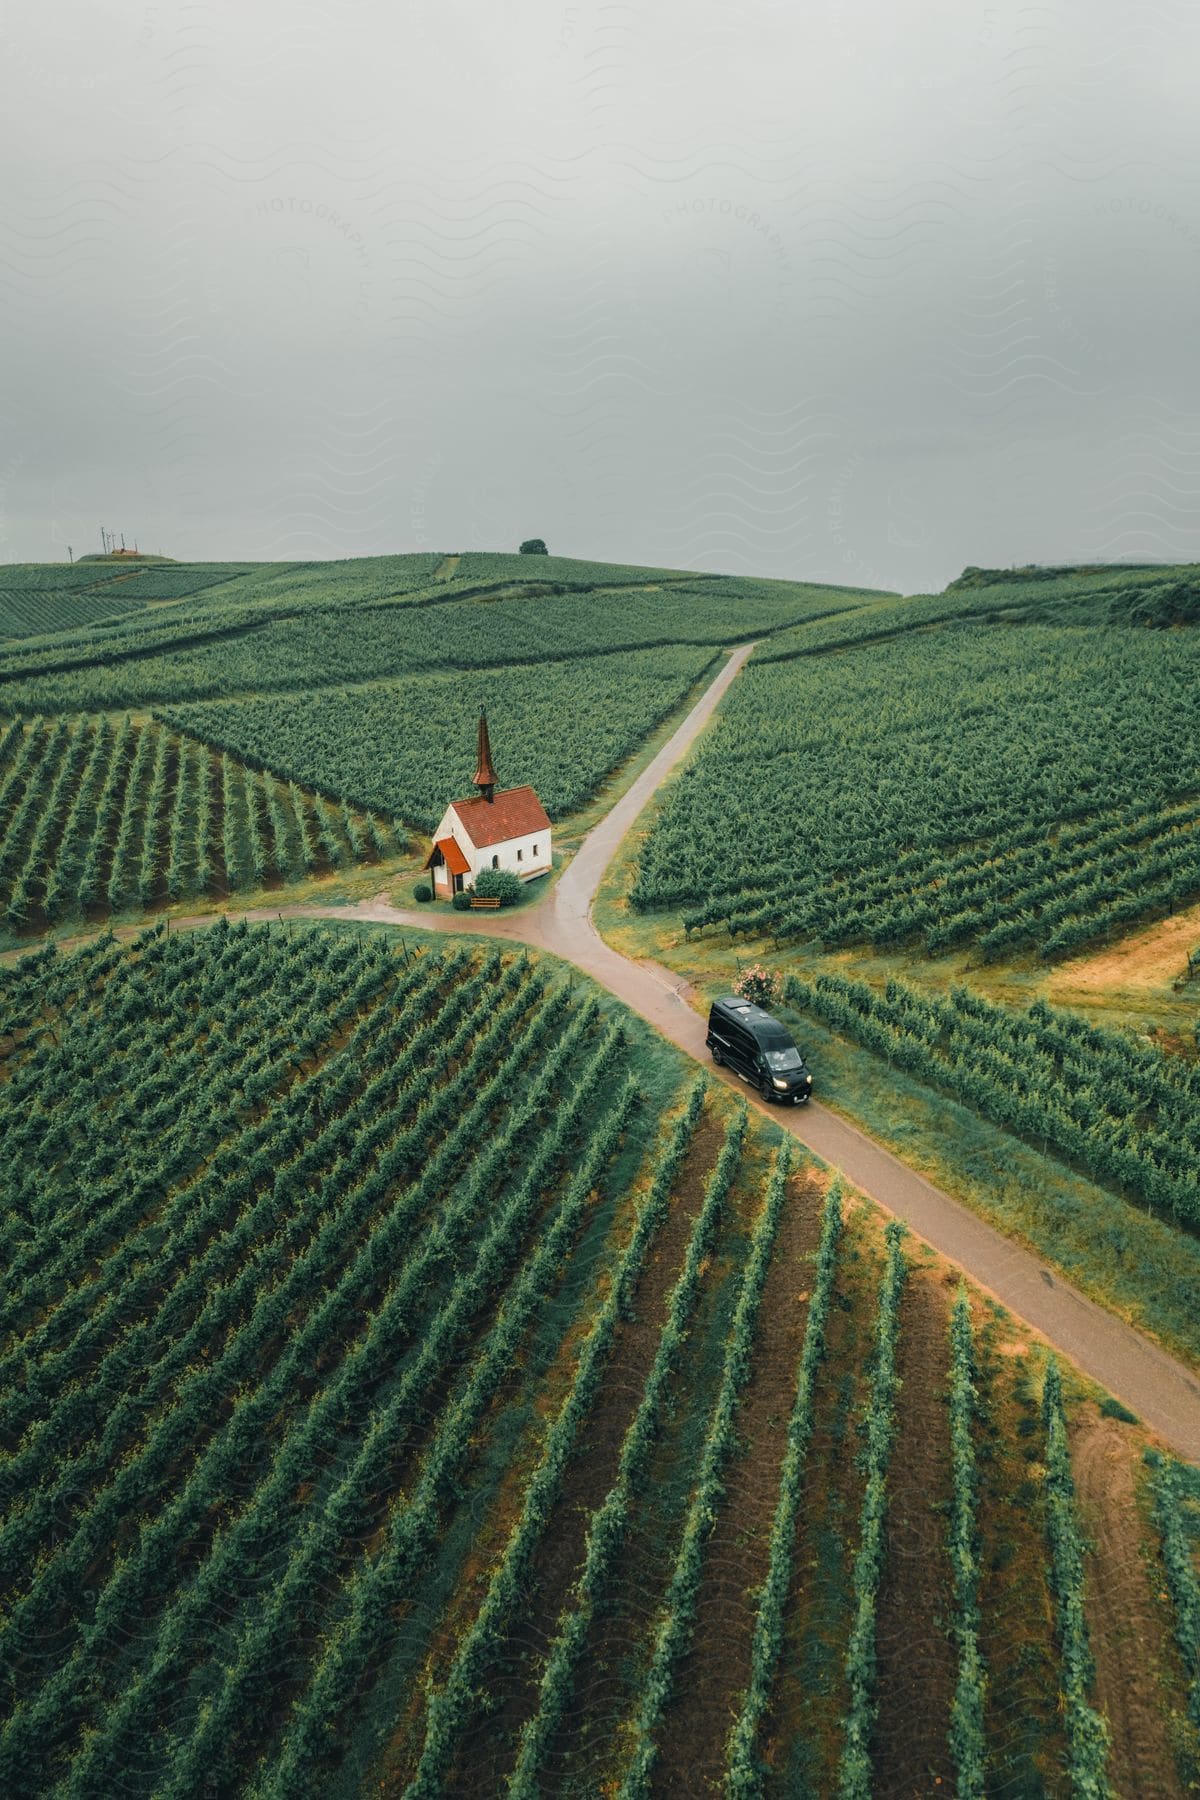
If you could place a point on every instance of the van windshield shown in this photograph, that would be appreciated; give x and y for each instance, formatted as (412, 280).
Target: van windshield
(784, 1059)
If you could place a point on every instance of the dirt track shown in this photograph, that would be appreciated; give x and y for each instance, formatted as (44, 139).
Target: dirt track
(1121, 1616)
(1162, 1391)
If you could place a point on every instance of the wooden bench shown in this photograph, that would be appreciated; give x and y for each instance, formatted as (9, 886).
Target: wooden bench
(484, 902)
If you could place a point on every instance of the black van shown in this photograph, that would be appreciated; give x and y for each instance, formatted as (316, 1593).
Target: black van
(757, 1048)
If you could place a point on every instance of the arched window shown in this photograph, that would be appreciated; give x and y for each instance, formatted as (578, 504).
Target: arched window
(495, 862)
(535, 849)
(520, 856)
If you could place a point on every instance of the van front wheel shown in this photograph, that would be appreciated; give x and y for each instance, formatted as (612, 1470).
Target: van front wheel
(717, 1057)
(766, 1090)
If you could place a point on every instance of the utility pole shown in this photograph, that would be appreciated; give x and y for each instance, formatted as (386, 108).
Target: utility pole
(70, 553)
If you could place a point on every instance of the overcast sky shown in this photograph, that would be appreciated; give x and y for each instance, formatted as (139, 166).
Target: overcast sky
(827, 288)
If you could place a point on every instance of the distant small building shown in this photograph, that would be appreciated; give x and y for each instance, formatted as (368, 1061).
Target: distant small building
(490, 830)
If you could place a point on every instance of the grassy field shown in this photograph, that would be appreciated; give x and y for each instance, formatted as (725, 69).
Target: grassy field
(538, 1427)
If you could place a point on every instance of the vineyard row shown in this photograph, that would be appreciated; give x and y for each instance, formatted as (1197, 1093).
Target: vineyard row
(332, 1269)
(1126, 1113)
(989, 809)
(97, 818)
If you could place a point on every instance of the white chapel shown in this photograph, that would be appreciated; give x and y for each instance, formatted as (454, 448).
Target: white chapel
(490, 830)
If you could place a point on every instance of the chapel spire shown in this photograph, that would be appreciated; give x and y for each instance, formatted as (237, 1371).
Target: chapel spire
(485, 774)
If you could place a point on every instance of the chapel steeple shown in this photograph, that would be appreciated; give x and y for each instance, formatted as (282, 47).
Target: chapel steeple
(485, 774)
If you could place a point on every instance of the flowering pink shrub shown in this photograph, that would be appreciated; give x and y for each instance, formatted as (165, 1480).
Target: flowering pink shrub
(758, 985)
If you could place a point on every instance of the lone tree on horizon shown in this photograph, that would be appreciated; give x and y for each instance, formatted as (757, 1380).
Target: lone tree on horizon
(534, 547)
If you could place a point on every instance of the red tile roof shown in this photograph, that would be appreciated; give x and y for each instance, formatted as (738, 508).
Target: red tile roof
(517, 812)
(452, 856)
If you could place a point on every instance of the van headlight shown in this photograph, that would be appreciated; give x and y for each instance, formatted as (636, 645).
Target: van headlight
(781, 1085)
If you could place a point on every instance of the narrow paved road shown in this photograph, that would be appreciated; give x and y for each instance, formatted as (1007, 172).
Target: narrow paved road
(1161, 1390)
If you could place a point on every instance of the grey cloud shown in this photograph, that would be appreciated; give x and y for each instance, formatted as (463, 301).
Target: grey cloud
(858, 293)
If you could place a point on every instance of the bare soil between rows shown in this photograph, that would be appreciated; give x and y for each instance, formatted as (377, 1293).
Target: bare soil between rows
(713, 1677)
(1124, 1625)
(488, 1749)
(917, 1664)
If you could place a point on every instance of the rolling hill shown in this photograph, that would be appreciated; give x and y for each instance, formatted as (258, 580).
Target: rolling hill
(416, 1376)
